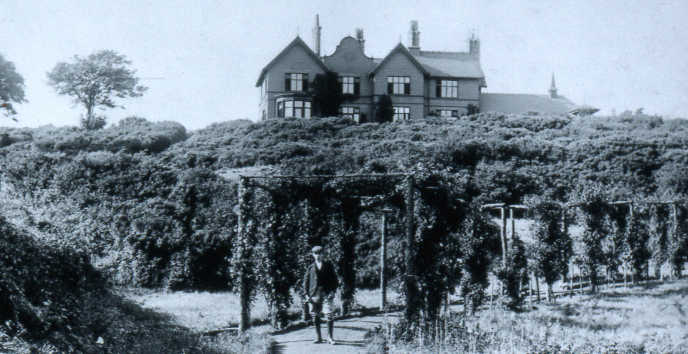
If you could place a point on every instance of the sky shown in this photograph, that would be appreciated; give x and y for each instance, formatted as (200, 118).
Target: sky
(201, 59)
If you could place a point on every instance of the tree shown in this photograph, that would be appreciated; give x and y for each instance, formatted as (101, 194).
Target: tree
(553, 246)
(593, 214)
(11, 87)
(384, 111)
(95, 81)
(327, 94)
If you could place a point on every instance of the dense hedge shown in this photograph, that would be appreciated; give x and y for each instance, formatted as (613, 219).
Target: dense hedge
(147, 200)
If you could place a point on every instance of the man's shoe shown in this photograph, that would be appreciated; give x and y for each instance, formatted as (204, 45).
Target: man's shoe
(318, 341)
(331, 341)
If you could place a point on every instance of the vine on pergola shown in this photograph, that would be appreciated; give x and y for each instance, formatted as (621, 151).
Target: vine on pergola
(281, 217)
(286, 215)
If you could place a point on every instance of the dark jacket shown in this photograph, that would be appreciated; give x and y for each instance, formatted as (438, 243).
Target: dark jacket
(320, 283)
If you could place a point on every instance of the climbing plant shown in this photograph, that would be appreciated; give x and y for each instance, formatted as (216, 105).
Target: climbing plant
(593, 207)
(553, 245)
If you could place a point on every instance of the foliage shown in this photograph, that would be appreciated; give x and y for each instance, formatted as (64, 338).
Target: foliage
(92, 187)
(384, 112)
(11, 87)
(553, 245)
(95, 81)
(479, 244)
(593, 206)
(658, 227)
(637, 238)
(327, 94)
(515, 273)
(679, 238)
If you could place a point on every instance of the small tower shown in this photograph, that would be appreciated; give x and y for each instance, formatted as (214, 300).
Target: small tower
(553, 89)
(316, 35)
(360, 39)
(474, 46)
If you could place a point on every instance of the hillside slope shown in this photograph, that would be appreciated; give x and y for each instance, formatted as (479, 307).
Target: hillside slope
(148, 203)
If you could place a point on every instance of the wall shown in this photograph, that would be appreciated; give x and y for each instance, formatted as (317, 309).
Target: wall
(295, 60)
(400, 65)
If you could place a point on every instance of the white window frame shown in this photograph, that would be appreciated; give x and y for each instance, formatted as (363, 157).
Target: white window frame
(399, 85)
(351, 112)
(449, 88)
(401, 113)
(294, 108)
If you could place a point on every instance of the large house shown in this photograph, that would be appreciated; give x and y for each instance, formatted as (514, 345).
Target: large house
(420, 83)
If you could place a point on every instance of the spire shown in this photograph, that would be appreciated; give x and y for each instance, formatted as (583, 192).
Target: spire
(316, 35)
(553, 89)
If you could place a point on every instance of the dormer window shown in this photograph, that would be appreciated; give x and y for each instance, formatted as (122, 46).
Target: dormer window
(350, 85)
(296, 82)
(447, 88)
(398, 85)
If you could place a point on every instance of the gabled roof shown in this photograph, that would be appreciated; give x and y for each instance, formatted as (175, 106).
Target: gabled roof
(296, 42)
(439, 64)
(524, 103)
(401, 49)
(451, 64)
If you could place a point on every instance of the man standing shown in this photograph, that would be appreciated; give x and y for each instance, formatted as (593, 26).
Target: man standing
(320, 284)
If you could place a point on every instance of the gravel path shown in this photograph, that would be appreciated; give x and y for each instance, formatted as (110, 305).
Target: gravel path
(349, 335)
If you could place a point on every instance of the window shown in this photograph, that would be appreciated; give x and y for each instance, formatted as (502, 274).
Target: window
(294, 108)
(398, 85)
(350, 85)
(295, 82)
(449, 113)
(350, 112)
(447, 88)
(401, 113)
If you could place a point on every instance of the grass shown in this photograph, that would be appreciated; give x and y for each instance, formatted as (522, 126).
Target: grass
(203, 311)
(641, 319)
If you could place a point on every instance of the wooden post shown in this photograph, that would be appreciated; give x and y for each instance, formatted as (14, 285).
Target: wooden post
(244, 295)
(513, 223)
(504, 242)
(383, 256)
(571, 276)
(630, 228)
(411, 303)
(537, 287)
(674, 227)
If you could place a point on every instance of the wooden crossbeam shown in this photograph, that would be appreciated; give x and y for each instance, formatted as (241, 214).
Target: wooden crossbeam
(326, 176)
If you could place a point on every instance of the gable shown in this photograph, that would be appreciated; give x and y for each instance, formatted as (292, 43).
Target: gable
(400, 57)
(349, 58)
(296, 52)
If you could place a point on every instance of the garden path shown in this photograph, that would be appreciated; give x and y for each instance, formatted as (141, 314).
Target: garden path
(349, 335)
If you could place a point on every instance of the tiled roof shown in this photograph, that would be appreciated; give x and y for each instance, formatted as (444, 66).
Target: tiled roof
(524, 103)
(441, 64)
(450, 64)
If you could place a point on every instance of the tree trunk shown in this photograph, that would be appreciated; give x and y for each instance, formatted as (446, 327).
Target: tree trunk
(537, 288)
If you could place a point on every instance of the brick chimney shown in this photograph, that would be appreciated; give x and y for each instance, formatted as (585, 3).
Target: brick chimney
(414, 37)
(474, 46)
(316, 35)
(359, 37)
